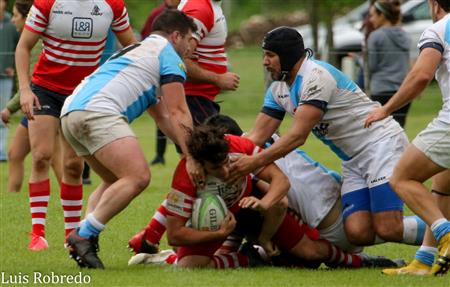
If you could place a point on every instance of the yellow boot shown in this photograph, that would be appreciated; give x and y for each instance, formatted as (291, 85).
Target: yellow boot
(443, 262)
(414, 268)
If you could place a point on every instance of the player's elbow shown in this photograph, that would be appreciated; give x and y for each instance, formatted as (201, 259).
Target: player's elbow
(423, 77)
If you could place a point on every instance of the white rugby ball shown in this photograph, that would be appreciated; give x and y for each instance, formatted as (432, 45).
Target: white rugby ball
(208, 212)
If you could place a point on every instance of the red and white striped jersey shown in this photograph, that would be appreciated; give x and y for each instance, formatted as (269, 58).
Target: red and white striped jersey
(183, 193)
(74, 35)
(211, 36)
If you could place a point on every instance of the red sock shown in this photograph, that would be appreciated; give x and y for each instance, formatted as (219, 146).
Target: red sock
(157, 225)
(39, 196)
(231, 244)
(230, 260)
(72, 203)
(341, 258)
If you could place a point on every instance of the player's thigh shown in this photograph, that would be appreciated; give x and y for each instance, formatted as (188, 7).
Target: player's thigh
(106, 175)
(42, 133)
(123, 157)
(198, 253)
(414, 165)
(354, 191)
(195, 261)
(441, 182)
(335, 234)
(434, 142)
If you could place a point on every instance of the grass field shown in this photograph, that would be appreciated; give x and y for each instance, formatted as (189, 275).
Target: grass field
(244, 104)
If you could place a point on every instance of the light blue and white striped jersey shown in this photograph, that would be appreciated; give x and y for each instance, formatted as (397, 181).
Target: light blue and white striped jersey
(314, 188)
(128, 83)
(345, 106)
(438, 37)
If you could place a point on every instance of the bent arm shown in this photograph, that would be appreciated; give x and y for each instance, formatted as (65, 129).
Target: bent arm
(126, 37)
(179, 115)
(305, 118)
(26, 43)
(417, 80)
(159, 113)
(263, 129)
(195, 73)
(179, 235)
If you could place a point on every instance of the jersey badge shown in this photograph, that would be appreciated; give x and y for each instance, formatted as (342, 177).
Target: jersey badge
(82, 27)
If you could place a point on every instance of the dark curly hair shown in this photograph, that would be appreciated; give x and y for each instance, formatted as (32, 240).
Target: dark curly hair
(208, 143)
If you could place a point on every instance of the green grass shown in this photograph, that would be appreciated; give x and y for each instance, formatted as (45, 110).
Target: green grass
(243, 105)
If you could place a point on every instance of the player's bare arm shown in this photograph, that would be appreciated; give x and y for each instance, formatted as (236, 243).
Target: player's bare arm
(126, 37)
(226, 81)
(180, 235)
(159, 113)
(413, 85)
(180, 117)
(305, 118)
(28, 99)
(264, 127)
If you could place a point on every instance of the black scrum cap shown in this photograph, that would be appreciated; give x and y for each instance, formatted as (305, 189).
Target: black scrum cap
(288, 44)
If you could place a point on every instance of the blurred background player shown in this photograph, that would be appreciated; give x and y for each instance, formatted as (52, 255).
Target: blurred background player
(388, 48)
(9, 37)
(72, 47)
(207, 64)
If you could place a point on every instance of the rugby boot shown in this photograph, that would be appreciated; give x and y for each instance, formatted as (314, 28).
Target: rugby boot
(254, 258)
(380, 261)
(165, 256)
(442, 264)
(37, 243)
(139, 244)
(414, 268)
(84, 251)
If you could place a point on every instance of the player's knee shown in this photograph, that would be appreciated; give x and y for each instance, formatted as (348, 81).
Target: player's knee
(389, 229)
(141, 181)
(41, 160)
(73, 167)
(358, 234)
(14, 156)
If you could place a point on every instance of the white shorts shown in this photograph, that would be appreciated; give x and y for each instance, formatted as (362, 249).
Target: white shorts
(374, 166)
(366, 178)
(88, 131)
(434, 142)
(336, 235)
(314, 188)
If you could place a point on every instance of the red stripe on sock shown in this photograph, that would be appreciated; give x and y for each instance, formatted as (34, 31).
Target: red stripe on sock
(71, 192)
(35, 189)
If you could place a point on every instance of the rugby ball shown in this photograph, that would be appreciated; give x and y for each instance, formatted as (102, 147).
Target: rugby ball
(208, 212)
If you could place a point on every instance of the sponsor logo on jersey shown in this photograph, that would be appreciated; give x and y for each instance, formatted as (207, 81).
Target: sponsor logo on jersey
(82, 28)
(96, 11)
(321, 129)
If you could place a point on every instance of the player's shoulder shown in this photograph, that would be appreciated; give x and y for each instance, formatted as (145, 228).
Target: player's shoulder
(44, 6)
(116, 3)
(240, 145)
(181, 180)
(200, 10)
